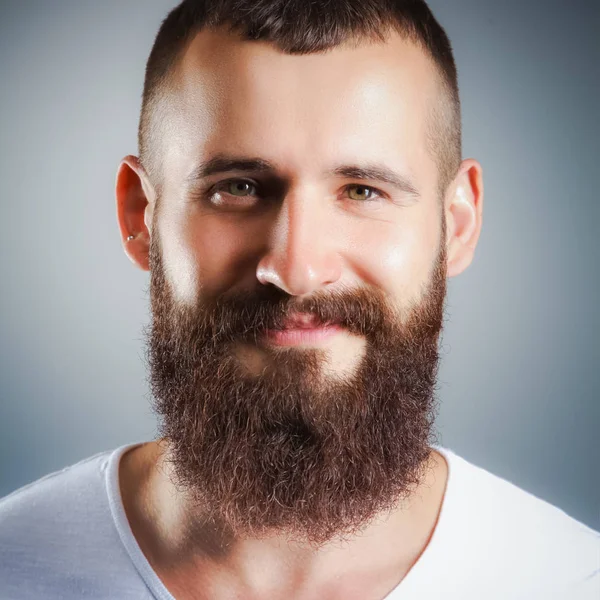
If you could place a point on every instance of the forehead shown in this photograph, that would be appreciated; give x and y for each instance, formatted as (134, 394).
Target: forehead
(355, 102)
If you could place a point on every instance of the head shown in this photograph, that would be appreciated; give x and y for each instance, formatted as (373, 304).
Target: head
(299, 167)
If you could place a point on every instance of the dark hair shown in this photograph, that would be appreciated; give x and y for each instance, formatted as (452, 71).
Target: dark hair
(302, 27)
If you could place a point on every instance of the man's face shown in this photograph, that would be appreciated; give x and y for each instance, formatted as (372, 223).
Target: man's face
(298, 226)
(297, 288)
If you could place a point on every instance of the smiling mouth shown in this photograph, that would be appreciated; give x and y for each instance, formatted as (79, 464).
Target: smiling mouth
(302, 329)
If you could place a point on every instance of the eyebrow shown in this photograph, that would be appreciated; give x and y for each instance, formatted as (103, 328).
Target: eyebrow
(224, 164)
(375, 172)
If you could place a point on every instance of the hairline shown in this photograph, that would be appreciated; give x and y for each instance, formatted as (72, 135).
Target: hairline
(441, 115)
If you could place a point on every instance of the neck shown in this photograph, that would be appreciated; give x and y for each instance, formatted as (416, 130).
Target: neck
(192, 556)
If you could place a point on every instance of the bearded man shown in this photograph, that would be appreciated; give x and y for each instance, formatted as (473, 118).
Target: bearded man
(299, 200)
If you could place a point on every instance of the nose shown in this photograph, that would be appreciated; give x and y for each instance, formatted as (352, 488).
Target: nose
(302, 256)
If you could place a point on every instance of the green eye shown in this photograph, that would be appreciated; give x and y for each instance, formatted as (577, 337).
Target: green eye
(240, 188)
(360, 192)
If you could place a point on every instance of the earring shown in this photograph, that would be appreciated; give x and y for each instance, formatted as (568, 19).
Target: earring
(131, 237)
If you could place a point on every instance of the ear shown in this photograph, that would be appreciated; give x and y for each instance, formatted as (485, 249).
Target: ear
(135, 205)
(463, 206)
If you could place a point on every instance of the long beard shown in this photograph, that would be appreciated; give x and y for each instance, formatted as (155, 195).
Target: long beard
(292, 450)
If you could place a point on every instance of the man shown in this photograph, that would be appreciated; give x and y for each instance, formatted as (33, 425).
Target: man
(299, 201)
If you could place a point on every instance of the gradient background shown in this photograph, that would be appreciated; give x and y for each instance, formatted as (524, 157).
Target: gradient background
(521, 373)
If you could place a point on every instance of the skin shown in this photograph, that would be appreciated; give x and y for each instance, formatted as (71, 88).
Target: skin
(362, 105)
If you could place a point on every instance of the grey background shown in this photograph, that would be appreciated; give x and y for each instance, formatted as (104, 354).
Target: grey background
(520, 376)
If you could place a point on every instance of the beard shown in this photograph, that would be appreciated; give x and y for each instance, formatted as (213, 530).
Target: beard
(293, 450)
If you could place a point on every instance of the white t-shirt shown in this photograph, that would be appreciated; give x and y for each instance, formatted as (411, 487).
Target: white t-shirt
(66, 536)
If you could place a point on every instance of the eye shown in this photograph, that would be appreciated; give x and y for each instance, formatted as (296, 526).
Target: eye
(239, 187)
(362, 193)
(232, 194)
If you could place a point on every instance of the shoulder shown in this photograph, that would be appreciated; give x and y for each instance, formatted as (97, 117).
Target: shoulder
(58, 531)
(516, 532)
(53, 499)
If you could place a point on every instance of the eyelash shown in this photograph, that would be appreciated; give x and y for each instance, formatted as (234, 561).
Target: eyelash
(222, 187)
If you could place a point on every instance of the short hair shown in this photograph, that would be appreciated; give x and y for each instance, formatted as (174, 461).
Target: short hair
(303, 27)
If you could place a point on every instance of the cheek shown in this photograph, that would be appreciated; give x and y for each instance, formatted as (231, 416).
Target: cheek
(180, 258)
(206, 255)
(398, 258)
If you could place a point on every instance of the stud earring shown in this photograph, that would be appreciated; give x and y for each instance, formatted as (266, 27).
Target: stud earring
(131, 237)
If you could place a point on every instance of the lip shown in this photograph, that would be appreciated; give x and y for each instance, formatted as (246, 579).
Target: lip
(295, 335)
(299, 320)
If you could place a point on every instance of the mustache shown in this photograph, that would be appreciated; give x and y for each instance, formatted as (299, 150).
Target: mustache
(246, 315)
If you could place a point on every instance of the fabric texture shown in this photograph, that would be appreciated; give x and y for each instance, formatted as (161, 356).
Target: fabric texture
(66, 536)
